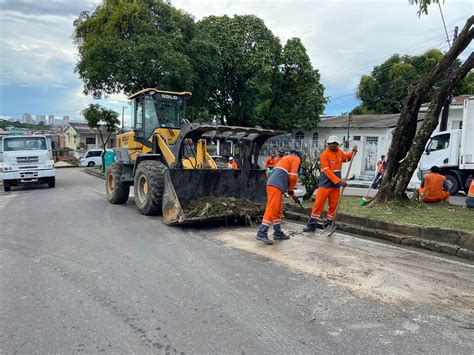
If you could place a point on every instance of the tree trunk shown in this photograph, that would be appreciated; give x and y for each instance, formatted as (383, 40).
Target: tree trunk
(405, 129)
(408, 166)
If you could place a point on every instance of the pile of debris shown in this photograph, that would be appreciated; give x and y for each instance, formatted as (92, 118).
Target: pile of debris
(222, 207)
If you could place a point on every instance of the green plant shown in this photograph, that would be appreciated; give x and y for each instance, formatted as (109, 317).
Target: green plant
(309, 167)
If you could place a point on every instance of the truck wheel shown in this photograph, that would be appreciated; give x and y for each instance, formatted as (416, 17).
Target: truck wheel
(453, 184)
(149, 186)
(117, 191)
(90, 164)
(6, 186)
(52, 182)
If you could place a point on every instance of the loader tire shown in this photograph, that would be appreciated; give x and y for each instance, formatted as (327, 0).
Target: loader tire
(149, 186)
(117, 191)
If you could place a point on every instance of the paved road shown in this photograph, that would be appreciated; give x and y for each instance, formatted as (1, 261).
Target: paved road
(80, 275)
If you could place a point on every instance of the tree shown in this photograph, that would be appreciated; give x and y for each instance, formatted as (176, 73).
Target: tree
(127, 45)
(100, 119)
(247, 50)
(297, 94)
(395, 180)
(423, 5)
(409, 165)
(384, 90)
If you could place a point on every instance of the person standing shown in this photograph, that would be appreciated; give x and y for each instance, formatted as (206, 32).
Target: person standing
(434, 187)
(283, 179)
(381, 164)
(330, 183)
(231, 164)
(270, 164)
(281, 154)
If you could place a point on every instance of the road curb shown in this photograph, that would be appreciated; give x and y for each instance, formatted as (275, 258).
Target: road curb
(94, 172)
(448, 241)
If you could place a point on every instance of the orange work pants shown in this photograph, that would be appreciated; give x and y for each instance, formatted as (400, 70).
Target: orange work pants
(441, 196)
(274, 208)
(331, 194)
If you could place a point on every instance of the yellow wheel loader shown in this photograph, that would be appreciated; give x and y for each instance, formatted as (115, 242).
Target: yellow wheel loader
(165, 158)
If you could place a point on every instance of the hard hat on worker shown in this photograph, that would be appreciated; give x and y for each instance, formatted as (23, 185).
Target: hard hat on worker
(333, 139)
(231, 158)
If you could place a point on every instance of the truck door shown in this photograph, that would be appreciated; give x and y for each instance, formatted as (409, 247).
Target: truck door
(437, 152)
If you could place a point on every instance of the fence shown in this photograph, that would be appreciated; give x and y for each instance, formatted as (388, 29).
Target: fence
(307, 146)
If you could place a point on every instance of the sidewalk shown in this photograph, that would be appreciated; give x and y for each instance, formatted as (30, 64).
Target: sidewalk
(357, 188)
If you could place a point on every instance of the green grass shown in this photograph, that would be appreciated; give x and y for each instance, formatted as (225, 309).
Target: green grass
(441, 215)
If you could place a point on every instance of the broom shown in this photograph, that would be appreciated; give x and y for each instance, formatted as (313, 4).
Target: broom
(364, 200)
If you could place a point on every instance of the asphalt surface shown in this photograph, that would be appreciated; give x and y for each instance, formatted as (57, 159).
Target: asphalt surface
(78, 274)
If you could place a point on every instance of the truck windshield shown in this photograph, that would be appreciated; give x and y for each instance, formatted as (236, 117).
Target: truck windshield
(24, 143)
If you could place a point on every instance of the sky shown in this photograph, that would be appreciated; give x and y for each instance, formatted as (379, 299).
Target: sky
(344, 39)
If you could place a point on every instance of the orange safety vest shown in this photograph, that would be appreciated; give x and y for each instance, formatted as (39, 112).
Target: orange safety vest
(380, 166)
(270, 162)
(471, 189)
(433, 186)
(331, 167)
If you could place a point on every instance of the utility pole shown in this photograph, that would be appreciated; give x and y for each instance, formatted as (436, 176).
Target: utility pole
(348, 130)
(443, 126)
(123, 117)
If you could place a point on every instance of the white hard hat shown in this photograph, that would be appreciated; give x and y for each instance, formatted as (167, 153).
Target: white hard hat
(333, 139)
(230, 158)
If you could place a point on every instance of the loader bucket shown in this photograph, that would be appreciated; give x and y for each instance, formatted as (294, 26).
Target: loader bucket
(196, 195)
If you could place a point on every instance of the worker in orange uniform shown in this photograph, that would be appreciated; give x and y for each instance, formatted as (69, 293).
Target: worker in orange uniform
(231, 164)
(283, 179)
(470, 194)
(381, 164)
(270, 164)
(281, 154)
(434, 187)
(330, 183)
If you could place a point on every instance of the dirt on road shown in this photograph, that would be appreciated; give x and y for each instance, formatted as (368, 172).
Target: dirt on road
(370, 269)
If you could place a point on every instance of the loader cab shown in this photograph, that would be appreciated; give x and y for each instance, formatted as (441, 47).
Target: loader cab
(153, 109)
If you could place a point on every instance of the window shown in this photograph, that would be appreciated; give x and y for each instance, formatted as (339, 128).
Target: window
(438, 142)
(315, 138)
(24, 143)
(357, 138)
(90, 140)
(299, 135)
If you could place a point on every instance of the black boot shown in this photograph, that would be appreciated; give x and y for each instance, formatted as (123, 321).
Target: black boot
(327, 224)
(279, 234)
(262, 235)
(311, 226)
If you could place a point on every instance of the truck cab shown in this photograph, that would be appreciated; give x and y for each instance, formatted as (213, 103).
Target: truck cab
(453, 152)
(25, 160)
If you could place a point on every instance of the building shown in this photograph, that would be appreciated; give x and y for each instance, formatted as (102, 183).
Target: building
(65, 120)
(27, 118)
(372, 134)
(81, 136)
(40, 119)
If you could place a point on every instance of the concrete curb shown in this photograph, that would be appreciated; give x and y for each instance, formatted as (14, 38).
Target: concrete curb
(448, 241)
(94, 172)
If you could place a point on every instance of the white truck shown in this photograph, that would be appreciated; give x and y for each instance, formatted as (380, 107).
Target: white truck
(26, 159)
(453, 152)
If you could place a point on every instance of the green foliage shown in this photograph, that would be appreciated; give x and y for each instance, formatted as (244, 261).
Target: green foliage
(246, 50)
(5, 123)
(235, 67)
(423, 5)
(102, 119)
(298, 96)
(385, 89)
(310, 166)
(127, 45)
